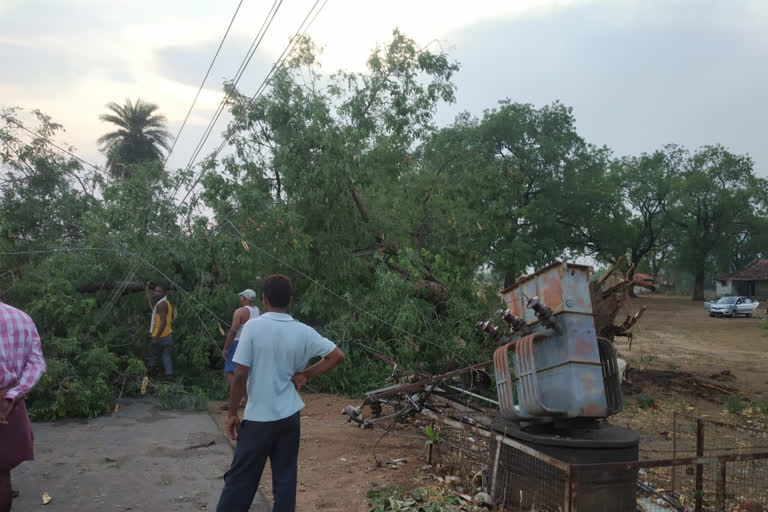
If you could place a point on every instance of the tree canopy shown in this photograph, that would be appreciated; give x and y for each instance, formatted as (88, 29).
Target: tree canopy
(398, 232)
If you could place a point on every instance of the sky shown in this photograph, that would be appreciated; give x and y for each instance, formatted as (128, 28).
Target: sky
(638, 74)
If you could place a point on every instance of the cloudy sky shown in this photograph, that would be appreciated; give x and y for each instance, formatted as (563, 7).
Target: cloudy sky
(638, 73)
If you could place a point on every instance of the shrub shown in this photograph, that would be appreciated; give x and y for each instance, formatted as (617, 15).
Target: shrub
(736, 405)
(644, 401)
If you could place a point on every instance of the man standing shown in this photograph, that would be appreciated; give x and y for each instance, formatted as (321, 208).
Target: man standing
(161, 331)
(21, 366)
(274, 349)
(239, 318)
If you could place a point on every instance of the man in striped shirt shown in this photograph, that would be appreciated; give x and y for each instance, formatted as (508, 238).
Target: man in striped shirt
(21, 366)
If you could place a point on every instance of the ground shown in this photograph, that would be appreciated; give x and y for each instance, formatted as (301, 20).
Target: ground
(687, 361)
(336, 461)
(140, 459)
(681, 359)
(147, 459)
(676, 334)
(682, 362)
(684, 365)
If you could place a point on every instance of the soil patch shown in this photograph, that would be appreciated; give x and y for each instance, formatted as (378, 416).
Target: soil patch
(666, 381)
(336, 462)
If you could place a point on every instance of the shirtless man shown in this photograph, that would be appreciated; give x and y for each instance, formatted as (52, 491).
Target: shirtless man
(239, 318)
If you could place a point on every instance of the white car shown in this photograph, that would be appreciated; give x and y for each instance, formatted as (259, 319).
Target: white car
(732, 306)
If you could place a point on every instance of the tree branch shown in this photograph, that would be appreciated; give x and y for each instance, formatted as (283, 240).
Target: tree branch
(358, 202)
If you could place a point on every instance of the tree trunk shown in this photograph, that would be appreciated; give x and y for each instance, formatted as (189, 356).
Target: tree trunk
(698, 285)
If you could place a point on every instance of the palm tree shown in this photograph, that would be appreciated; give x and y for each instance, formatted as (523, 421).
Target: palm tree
(141, 136)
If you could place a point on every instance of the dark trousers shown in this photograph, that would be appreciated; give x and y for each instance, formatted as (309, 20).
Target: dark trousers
(257, 440)
(161, 350)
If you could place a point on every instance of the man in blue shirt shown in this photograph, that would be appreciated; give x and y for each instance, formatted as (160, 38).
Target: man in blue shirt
(271, 359)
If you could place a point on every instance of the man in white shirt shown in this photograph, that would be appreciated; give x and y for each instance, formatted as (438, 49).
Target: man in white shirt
(272, 356)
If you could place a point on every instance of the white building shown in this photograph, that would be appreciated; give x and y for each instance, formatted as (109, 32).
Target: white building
(751, 281)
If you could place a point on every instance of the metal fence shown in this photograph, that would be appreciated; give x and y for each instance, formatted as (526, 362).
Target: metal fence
(524, 481)
(713, 484)
(691, 435)
(735, 476)
(715, 467)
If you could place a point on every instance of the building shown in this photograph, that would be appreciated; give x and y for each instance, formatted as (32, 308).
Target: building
(751, 281)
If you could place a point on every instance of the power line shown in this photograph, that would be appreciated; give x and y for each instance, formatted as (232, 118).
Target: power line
(287, 50)
(238, 75)
(140, 258)
(278, 64)
(200, 89)
(241, 69)
(256, 42)
(249, 55)
(49, 141)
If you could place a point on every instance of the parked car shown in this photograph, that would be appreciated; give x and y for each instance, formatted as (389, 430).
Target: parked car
(732, 306)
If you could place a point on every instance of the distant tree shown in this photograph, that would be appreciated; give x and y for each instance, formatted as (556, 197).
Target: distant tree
(622, 210)
(646, 184)
(514, 184)
(718, 202)
(140, 138)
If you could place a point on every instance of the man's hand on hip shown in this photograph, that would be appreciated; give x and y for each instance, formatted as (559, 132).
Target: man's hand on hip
(6, 408)
(233, 426)
(299, 380)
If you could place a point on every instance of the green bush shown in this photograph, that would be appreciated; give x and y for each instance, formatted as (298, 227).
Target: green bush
(736, 405)
(644, 401)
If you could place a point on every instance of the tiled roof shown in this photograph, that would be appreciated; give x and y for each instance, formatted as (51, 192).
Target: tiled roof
(755, 271)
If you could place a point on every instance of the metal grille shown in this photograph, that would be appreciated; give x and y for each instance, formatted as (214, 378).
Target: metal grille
(746, 481)
(518, 477)
(525, 482)
(716, 484)
(717, 437)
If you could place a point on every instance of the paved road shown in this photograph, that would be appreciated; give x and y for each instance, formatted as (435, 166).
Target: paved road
(142, 459)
